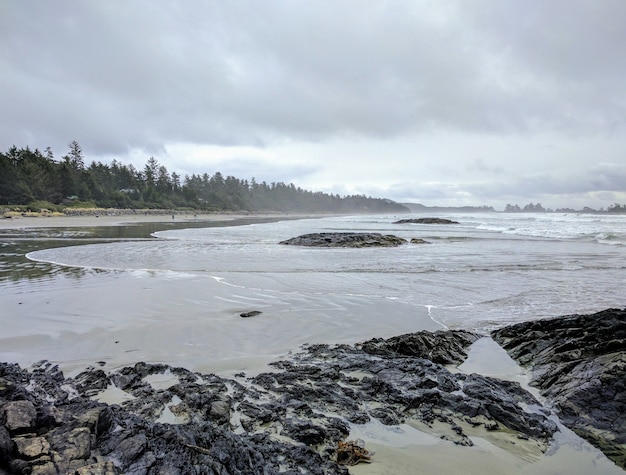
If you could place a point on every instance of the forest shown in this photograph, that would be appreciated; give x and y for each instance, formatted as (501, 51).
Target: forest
(35, 179)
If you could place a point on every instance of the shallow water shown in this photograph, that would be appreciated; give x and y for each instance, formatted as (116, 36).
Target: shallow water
(176, 297)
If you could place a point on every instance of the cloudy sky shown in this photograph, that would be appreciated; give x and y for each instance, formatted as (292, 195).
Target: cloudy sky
(440, 102)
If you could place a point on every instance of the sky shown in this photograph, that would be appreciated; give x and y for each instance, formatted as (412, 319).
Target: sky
(439, 102)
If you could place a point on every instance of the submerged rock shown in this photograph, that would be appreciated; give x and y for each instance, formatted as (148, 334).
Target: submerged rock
(426, 221)
(295, 418)
(578, 362)
(345, 240)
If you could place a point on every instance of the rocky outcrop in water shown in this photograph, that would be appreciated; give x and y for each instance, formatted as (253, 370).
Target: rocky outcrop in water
(579, 364)
(426, 221)
(288, 420)
(345, 240)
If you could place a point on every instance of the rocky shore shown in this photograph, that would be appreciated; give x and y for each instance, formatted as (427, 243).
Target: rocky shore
(300, 416)
(296, 418)
(426, 221)
(345, 240)
(578, 362)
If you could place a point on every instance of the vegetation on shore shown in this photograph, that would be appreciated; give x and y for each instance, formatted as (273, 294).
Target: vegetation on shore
(31, 180)
(538, 208)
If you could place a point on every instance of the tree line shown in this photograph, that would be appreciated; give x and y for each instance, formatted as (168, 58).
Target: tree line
(34, 177)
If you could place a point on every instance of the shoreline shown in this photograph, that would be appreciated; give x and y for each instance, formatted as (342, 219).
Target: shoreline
(397, 449)
(123, 218)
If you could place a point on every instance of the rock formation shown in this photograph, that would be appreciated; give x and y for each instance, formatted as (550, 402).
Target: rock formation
(345, 240)
(426, 221)
(287, 420)
(578, 362)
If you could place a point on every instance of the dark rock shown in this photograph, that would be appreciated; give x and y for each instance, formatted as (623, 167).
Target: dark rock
(20, 466)
(426, 221)
(74, 444)
(252, 313)
(578, 362)
(305, 432)
(419, 241)
(443, 347)
(91, 382)
(220, 411)
(130, 449)
(345, 240)
(6, 387)
(6, 444)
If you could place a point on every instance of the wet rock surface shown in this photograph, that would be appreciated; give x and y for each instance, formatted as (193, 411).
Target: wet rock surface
(289, 419)
(426, 221)
(579, 364)
(345, 240)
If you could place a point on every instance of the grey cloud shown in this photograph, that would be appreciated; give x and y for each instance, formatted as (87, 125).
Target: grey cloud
(484, 87)
(557, 188)
(247, 168)
(117, 75)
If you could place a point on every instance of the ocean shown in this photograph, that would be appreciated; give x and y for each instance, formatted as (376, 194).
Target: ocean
(177, 296)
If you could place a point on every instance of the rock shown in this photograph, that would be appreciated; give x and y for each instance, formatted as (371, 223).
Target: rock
(220, 411)
(74, 444)
(443, 347)
(19, 466)
(97, 420)
(6, 444)
(31, 447)
(357, 240)
(426, 221)
(419, 241)
(6, 386)
(18, 416)
(101, 468)
(578, 362)
(252, 313)
(130, 449)
(91, 382)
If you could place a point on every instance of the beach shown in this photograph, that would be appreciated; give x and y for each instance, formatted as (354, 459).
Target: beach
(121, 218)
(110, 315)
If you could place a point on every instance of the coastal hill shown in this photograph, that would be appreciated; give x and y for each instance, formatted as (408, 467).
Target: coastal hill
(615, 208)
(420, 208)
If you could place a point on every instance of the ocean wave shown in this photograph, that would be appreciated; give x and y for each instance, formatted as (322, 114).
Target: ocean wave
(611, 238)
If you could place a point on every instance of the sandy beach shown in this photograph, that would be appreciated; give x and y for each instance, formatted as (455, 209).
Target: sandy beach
(31, 220)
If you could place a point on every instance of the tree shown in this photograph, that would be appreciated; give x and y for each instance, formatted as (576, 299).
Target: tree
(150, 172)
(76, 156)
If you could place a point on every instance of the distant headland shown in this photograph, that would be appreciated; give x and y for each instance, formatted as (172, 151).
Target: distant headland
(509, 208)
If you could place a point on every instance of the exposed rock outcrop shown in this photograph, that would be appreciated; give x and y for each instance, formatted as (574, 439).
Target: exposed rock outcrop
(579, 364)
(426, 221)
(345, 240)
(290, 420)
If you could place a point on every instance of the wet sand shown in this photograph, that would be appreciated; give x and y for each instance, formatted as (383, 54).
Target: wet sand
(63, 221)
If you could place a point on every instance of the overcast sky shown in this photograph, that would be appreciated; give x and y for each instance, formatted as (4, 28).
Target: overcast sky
(440, 102)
